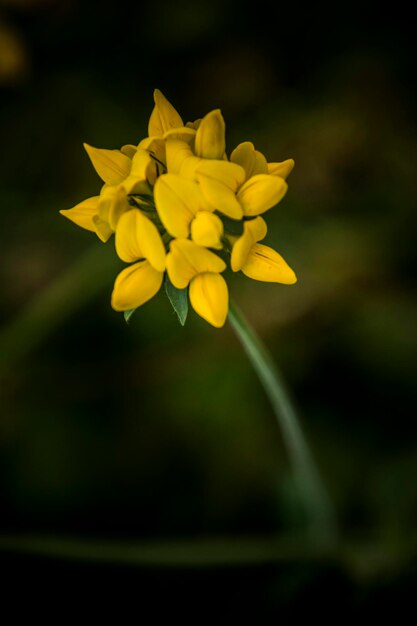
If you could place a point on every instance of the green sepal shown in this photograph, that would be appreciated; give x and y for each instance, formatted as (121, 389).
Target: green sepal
(128, 314)
(178, 298)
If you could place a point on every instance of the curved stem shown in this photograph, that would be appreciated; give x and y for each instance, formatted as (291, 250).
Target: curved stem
(306, 474)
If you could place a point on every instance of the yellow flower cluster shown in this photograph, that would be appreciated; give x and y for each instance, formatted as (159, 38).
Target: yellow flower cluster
(176, 197)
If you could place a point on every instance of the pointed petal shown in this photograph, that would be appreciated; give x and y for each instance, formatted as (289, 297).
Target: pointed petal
(186, 259)
(260, 193)
(250, 159)
(265, 264)
(111, 165)
(143, 166)
(136, 186)
(244, 155)
(102, 228)
(155, 146)
(129, 150)
(253, 231)
(207, 230)
(113, 203)
(163, 117)
(209, 298)
(220, 197)
(194, 124)
(210, 141)
(180, 271)
(126, 239)
(177, 151)
(182, 134)
(143, 170)
(177, 201)
(150, 242)
(135, 285)
(118, 207)
(219, 181)
(229, 174)
(282, 169)
(82, 214)
(137, 237)
(189, 166)
(261, 165)
(180, 159)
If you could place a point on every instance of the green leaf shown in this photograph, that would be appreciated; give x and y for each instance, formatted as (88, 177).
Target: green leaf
(178, 299)
(128, 315)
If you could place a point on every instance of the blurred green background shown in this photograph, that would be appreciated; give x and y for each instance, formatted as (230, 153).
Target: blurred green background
(153, 432)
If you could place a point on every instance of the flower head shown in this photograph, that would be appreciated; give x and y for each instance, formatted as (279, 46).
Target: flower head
(175, 202)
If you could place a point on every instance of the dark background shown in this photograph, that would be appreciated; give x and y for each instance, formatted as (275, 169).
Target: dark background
(152, 432)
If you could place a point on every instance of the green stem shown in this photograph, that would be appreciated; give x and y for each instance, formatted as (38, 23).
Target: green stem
(306, 474)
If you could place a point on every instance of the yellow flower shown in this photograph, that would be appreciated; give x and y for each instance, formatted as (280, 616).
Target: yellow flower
(163, 117)
(256, 260)
(207, 230)
(193, 265)
(174, 196)
(83, 213)
(254, 162)
(138, 238)
(122, 175)
(219, 182)
(178, 200)
(210, 138)
(260, 193)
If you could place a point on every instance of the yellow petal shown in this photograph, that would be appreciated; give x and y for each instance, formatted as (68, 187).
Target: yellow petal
(111, 165)
(129, 150)
(219, 181)
(113, 203)
(107, 195)
(253, 231)
(220, 197)
(260, 193)
(163, 117)
(282, 169)
(261, 165)
(189, 166)
(143, 170)
(135, 285)
(244, 155)
(207, 230)
(265, 264)
(134, 185)
(229, 174)
(194, 124)
(82, 214)
(102, 228)
(150, 242)
(186, 259)
(177, 151)
(180, 159)
(252, 161)
(143, 166)
(210, 142)
(137, 237)
(126, 240)
(119, 206)
(182, 134)
(209, 298)
(155, 146)
(177, 201)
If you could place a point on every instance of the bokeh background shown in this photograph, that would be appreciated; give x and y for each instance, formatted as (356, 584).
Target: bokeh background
(151, 432)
